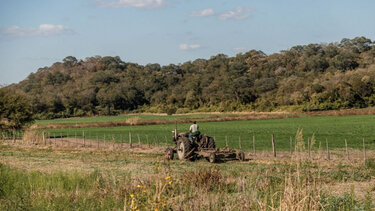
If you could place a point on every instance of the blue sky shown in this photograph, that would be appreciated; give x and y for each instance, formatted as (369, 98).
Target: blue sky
(37, 33)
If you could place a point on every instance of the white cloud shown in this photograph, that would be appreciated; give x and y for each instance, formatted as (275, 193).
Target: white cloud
(239, 49)
(42, 30)
(202, 13)
(130, 3)
(237, 14)
(186, 47)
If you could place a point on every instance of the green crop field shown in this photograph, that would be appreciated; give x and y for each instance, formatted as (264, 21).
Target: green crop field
(333, 128)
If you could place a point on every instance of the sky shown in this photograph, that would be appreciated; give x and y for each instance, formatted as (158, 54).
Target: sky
(38, 33)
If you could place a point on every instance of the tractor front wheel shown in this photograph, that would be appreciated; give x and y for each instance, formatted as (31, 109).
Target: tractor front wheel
(169, 153)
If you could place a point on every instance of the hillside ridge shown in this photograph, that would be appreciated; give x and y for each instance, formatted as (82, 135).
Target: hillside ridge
(311, 77)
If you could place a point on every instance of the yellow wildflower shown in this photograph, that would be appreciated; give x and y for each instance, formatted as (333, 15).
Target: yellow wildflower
(170, 182)
(139, 186)
(134, 208)
(158, 168)
(167, 178)
(131, 195)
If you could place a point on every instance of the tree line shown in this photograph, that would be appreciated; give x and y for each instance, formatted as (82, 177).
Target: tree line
(305, 78)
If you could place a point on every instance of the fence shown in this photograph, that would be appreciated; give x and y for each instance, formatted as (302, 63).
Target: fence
(129, 140)
(12, 135)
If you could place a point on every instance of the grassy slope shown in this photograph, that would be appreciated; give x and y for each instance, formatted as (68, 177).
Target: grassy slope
(335, 128)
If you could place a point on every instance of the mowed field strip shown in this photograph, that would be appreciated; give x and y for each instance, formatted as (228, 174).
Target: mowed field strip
(333, 128)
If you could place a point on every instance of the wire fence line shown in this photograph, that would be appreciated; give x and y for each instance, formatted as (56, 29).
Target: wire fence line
(130, 140)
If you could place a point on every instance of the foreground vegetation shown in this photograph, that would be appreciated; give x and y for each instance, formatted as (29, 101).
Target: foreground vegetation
(310, 77)
(333, 128)
(79, 179)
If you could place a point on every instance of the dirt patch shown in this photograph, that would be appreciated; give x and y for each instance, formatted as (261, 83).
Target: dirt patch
(359, 189)
(86, 160)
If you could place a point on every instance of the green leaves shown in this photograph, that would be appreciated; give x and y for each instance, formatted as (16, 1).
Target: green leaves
(314, 76)
(15, 110)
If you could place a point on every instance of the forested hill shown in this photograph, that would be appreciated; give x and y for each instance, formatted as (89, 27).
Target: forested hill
(310, 77)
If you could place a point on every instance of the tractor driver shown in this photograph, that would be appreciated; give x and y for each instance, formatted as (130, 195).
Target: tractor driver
(194, 130)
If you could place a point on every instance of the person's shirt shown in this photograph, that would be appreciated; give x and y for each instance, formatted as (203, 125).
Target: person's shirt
(194, 128)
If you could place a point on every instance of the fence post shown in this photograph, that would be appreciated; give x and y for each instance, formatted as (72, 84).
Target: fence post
(291, 144)
(346, 149)
(364, 150)
(61, 136)
(61, 141)
(113, 142)
(319, 150)
(48, 138)
(84, 138)
(97, 140)
(273, 146)
(239, 142)
(254, 144)
(90, 138)
(44, 138)
(148, 143)
(14, 136)
(139, 140)
(122, 141)
(328, 155)
(226, 141)
(308, 146)
(130, 140)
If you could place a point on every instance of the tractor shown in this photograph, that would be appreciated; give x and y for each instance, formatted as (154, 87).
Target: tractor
(200, 145)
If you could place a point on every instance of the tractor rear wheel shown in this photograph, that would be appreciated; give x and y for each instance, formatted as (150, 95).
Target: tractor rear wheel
(184, 148)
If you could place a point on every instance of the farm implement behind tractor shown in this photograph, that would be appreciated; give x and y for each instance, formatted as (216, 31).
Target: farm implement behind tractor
(200, 146)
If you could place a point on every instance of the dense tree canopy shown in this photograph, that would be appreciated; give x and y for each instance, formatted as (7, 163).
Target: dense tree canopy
(15, 110)
(309, 77)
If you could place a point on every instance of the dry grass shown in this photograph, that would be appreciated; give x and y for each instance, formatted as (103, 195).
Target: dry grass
(132, 121)
(359, 188)
(138, 178)
(213, 117)
(137, 121)
(206, 179)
